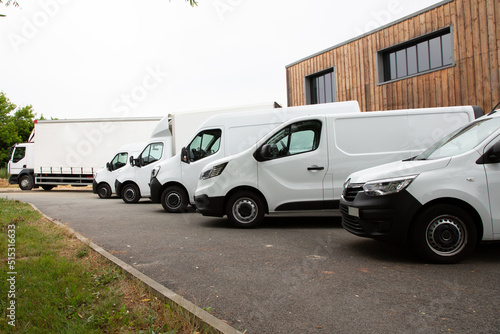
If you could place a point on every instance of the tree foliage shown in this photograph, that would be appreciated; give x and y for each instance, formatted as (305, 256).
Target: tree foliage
(16, 125)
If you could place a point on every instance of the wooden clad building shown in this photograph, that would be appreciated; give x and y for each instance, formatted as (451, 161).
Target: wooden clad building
(445, 55)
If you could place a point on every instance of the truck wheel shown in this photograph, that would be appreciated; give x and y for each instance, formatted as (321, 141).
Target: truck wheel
(245, 209)
(47, 188)
(174, 199)
(131, 194)
(104, 190)
(444, 234)
(26, 182)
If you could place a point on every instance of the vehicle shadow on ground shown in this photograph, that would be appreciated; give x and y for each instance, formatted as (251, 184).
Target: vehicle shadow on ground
(281, 222)
(395, 253)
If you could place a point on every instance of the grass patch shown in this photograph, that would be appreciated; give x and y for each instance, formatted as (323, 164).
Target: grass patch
(61, 286)
(3, 173)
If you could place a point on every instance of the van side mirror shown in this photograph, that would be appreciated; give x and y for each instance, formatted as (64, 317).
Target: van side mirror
(132, 161)
(491, 156)
(184, 155)
(265, 152)
(108, 166)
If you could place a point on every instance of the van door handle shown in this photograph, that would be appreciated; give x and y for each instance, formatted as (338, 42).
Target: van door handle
(315, 168)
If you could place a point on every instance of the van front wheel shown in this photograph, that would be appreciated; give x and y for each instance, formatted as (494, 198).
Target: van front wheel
(174, 199)
(104, 190)
(131, 194)
(245, 209)
(444, 234)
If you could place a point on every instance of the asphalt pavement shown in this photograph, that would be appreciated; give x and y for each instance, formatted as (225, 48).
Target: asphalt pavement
(295, 274)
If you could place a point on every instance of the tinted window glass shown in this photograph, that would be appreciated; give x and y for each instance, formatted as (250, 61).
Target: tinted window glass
(151, 153)
(297, 138)
(435, 52)
(19, 154)
(204, 144)
(119, 161)
(411, 54)
(423, 56)
(322, 88)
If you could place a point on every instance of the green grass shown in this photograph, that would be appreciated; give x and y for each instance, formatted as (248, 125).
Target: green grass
(61, 286)
(3, 173)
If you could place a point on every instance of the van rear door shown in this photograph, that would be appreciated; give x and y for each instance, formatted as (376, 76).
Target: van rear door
(292, 171)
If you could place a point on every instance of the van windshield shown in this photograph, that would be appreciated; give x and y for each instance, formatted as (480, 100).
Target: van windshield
(461, 140)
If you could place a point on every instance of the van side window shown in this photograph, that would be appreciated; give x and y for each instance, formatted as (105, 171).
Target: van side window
(204, 144)
(119, 161)
(297, 138)
(19, 154)
(151, 153)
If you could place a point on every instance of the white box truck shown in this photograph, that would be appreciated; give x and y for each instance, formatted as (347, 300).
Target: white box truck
(442, 202)
(174, 181)
(302, 164)
(69, 152)
(132, 182)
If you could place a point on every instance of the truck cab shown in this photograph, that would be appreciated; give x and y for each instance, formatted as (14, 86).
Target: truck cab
(20, 166)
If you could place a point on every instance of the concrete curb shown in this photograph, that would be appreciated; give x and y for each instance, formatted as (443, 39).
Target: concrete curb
(201, 316)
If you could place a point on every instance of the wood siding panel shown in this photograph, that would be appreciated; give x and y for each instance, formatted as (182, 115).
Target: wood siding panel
(473, 79)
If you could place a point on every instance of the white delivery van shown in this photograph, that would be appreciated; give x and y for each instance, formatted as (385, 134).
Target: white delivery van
(104, 180)
(442, 202)
(71, 151)
(303, 163)
(174, 181)
(132, 182)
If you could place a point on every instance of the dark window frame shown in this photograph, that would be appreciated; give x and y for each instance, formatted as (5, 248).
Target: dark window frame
(422, 59)
(328, 88)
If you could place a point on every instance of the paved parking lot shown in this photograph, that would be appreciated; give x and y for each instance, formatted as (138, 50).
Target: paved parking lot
(293, 275)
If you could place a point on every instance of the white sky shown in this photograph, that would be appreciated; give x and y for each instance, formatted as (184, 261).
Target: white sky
(121, 58)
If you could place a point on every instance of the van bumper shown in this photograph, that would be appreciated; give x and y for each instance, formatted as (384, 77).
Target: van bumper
(155, 187)
(210, 206)
(380, 217)
(94, 186)
(13, 179)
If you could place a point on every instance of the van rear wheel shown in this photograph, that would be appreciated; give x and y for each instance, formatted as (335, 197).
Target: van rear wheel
(245, 209)
(174, 199)
(444, 234)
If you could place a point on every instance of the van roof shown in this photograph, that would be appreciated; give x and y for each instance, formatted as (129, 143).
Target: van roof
(280, 115)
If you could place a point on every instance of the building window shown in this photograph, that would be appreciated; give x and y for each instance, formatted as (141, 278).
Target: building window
(321, 87)
(424, 54)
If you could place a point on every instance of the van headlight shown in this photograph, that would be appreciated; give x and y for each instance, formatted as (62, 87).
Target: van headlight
(155, 171)
(213, 172)
(387, 186)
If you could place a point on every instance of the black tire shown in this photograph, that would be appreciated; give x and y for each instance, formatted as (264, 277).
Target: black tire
(444, 234)
(26, 182)
(131, 193)
(245, 209)
(47, 187)
(174, 199)
(104, 190)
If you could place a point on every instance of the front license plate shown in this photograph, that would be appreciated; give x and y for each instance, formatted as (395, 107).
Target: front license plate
(353, 212)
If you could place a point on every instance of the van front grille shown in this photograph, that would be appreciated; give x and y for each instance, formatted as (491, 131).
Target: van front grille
(351, 191)
(350, 223)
